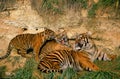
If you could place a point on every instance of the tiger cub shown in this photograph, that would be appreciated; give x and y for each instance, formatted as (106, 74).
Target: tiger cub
(26, 43)
(62, 38)
(59, 60)
(85, 42)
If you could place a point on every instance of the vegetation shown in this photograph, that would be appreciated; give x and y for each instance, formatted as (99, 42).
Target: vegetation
(6, 4)
(103, 4)
(100, 75)
(109, 71)
(2, 71)
(59, 6)
(27, 71)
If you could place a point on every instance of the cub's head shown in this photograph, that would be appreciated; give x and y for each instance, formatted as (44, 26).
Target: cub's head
(48, 34)
(62, 38)
(83, 41)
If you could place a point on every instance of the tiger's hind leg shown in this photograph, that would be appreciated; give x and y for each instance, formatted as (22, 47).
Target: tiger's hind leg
(24, 53)
(36, 52)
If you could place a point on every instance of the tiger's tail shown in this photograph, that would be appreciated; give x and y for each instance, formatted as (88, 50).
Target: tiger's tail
(8, 53)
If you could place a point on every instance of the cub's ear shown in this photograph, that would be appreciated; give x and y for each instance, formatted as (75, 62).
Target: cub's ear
(42, 33)
(45, 28)
(89, 33)
(79, 35)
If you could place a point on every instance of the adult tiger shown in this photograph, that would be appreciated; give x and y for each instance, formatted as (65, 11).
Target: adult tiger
(59, 60)
(26, 43)
(85, 42)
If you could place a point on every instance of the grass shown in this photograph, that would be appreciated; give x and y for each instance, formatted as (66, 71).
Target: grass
(112, 66)
(5, 4)
(69, 73)
(103, 4)
(27, 71)
(92, 11)
(59, 6)
(16, 60)
(109, 70)
(2, 71)
(100, 75)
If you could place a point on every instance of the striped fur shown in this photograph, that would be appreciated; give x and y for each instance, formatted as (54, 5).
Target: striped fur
(60, 42)
(26, 43)
(62, 38)
(85, 42)
(51, 45)
(59, 60)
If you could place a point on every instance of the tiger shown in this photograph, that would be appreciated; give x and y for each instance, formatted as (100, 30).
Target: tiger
(27, 43)
(61, 42)
(85, 42)
(59, 60)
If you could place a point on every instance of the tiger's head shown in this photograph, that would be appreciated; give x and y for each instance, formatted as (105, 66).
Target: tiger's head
(62, 38)
(48, 34)
(83, 41)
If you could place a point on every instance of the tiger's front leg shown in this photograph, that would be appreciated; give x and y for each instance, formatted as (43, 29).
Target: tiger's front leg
(88, 65)
(36, 53)
(84, 62)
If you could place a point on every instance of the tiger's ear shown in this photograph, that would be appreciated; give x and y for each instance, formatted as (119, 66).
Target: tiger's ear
(76, 35)
(64, 32)
(61, 32)
(89, 33)
(45, 28)
(43, 34)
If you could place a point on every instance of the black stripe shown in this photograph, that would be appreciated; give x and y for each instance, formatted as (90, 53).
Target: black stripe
(44, 64)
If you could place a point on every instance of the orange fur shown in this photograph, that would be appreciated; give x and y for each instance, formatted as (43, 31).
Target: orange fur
(84, 61)
(26, 43)
(58, 60)
(51, 46)
(85, 42)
